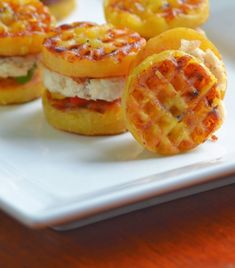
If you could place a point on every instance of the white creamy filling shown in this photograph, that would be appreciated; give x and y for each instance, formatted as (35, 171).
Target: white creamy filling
(16, 66)
(108, 89)
(208, 58)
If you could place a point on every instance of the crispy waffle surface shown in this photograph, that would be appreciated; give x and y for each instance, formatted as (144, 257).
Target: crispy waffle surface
(171, 40)
(84, 49)
(23, 26)
(151, 17)
(171, 103)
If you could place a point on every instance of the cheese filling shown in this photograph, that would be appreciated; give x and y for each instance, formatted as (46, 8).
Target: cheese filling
(16, 66)
(108, 89)
(208, 58)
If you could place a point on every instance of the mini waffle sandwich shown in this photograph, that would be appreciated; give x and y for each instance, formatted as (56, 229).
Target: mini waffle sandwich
(85, 68)
(23, 26)
(150, 18)
(173, 98)
(60, 8)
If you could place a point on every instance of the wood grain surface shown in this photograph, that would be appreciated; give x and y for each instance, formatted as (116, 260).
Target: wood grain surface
(198, 231)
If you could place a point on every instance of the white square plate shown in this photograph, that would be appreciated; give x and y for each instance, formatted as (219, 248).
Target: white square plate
(48, 177)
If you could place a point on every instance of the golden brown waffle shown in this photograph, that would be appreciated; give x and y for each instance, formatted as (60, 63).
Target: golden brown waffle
(23, 26)
(171, 103)
(12, 92)
(172, 40)
(90, 50)
(150, 18)
(84, 120)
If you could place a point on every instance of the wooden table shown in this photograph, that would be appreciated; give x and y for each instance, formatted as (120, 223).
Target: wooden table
(198, 231)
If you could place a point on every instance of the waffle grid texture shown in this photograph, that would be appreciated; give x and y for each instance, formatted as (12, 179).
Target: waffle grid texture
(173, 105)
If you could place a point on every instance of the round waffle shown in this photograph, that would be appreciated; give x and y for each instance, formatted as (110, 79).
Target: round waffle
(23, 26)
(171, 40)
(84, 120)
(89, 50)
(150, 18)
(12, 92)
(171, 103)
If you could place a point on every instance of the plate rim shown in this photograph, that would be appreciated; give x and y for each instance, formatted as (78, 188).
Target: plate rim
(81, 209)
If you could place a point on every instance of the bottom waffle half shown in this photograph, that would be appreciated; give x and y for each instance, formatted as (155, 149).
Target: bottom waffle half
(11, 92)
(85, 121)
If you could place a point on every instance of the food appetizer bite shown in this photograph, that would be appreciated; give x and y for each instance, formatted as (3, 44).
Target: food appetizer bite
(23, 26)
(192, 42)
(150, 18)
(85, 68)
(173, 100)
(60, 8)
